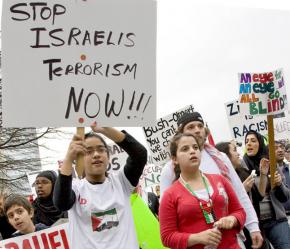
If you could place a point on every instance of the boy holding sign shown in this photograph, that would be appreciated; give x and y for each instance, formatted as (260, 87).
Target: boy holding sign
(99, 205)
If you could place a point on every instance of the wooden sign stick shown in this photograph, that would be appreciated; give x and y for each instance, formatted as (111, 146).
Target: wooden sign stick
(80, 158)
(271, 148)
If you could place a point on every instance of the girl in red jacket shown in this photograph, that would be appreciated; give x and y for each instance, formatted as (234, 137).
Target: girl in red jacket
(198, 210)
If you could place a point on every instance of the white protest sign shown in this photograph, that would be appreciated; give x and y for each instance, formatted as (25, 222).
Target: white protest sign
(71, 62)
(151, 176)
(240, 124)
(158, 136)
(282, 128)
(262, 93)
(118, 157)
(53, 238)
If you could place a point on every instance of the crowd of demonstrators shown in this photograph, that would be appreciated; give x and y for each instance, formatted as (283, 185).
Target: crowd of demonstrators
(204, 193)
(6, 230)
(99, 204)
(267, 203)
(199, 209)
(44, 210)
(18, 208)
(213, 162)
(19, 213)
(97, 196)
(248, 180)
(18, 216)
(271, 213)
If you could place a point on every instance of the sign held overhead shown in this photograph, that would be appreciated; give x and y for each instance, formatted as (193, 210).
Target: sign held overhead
(68, 63)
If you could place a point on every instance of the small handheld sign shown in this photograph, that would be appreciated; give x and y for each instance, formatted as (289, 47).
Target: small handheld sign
(264, 94)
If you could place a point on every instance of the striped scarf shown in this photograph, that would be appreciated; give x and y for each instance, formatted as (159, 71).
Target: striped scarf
(217, 157)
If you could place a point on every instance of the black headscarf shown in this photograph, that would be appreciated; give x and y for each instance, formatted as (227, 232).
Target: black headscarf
(44, 210)
(253, 162)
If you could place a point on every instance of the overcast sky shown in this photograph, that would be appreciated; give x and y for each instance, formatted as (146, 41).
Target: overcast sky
(201, 47)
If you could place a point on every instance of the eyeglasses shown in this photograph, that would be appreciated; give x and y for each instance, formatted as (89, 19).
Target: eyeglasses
(100, 150)
(43, 182)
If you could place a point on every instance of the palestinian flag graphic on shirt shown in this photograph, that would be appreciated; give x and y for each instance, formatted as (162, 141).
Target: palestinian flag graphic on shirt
(104, 220)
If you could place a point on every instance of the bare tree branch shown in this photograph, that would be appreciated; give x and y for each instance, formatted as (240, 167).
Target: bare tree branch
(20, 143)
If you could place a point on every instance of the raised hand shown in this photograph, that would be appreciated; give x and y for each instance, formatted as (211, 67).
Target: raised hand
(109, 132)
(76, 147)
(96, 128)
(264, 166)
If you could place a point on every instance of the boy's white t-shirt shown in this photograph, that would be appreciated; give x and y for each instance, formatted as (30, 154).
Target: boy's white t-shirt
(101, 217)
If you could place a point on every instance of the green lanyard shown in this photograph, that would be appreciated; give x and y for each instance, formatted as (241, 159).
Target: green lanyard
(208, 214)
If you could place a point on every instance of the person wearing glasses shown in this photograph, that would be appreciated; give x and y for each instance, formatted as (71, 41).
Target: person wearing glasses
(100, 214)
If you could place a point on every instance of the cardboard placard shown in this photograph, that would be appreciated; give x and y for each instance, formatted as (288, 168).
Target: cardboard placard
(262, 93)
(68, 63)
(158, 136)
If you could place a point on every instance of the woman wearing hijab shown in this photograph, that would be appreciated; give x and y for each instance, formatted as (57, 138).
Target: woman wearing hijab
(44, 210)
(271, 213)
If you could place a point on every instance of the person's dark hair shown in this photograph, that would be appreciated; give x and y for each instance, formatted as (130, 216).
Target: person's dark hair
(263, 150)
(253, 162)
(173, 149)
(19, 200)
(280, 142)
(50, 175)
(189, 117)
(224, 147)
(186, 118)
(92, 134)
